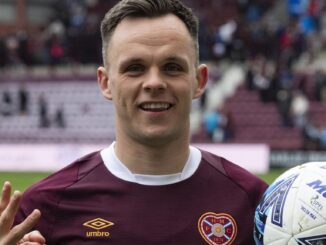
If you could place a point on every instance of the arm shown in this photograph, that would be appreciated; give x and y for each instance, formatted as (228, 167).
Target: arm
(18, 234)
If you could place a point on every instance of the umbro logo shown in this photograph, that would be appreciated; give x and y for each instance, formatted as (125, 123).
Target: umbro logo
(98, 224)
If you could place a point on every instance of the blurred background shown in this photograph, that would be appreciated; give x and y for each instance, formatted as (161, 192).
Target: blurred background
(264, 108)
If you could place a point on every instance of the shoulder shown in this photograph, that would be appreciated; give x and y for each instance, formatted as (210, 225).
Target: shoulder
(73, 172)
(253, 186)
(46, 194)
(54, 185)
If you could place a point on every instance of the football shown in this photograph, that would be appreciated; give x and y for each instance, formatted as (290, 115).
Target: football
(293, 209)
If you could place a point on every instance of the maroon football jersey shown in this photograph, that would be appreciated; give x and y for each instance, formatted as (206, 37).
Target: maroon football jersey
(85, 203)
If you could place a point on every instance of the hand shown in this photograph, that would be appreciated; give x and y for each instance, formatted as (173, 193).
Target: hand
(18, 234)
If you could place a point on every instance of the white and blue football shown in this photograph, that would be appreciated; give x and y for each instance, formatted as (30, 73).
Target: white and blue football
(293, 209)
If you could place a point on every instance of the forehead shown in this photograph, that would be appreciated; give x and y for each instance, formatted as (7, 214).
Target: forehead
(131, 26)
(167, 30)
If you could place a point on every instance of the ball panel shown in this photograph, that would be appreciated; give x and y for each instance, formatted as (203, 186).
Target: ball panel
(280, 215)
(316, 235)
(276, 236)
(309, 203)
(293, 208)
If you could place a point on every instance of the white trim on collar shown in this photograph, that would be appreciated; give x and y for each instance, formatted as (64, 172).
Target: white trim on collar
(118, 169)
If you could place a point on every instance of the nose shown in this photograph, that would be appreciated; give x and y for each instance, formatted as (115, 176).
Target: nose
(154, 81)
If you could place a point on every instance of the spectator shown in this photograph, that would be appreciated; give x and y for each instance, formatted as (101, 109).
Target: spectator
(262, 84)
(7, 108)
(59, 117)
(299, 109)
(302, 84)
(57, 52)
(23, 48)
(3, 53)
(23, 100)
(284, 100)
(250, 75)
(12, 46)
(323, 138)
(224, 38)
(320, 85)
(285, 79)
(228, 124)
(43, 112)
(311, 136)
(214, 123)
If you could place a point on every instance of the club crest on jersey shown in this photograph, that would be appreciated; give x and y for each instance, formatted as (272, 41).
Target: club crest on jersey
(97, 224)
(217, 229)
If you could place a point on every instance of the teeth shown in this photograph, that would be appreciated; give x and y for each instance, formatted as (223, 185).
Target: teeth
(155, 106)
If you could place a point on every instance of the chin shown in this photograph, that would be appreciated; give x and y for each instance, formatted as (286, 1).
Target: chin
(158, 138)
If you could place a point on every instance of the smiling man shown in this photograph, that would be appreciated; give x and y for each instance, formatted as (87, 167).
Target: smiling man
(149, 186)
(151, 75)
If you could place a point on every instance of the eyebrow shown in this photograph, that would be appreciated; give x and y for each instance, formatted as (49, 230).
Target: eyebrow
(180, 60)
(177, 59)
(133, 60)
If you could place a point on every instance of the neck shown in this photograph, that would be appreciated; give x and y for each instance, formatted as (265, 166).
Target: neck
(169, 158)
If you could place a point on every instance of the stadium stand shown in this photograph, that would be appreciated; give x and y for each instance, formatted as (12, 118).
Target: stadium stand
(86, 116)
(260, 122)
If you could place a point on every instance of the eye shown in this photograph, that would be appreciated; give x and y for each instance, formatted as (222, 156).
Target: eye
(135, 69)
(173, 68)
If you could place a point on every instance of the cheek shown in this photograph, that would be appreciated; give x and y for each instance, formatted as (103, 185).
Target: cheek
(185, 98)
(188, 89)
(116, 90)
(123, 96)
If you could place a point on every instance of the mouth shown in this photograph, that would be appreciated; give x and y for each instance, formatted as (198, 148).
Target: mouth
(155, 106)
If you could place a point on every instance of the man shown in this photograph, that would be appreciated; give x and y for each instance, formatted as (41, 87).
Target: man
(17, 235)
(149, 186)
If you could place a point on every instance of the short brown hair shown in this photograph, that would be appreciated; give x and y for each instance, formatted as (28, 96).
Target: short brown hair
(146, 8)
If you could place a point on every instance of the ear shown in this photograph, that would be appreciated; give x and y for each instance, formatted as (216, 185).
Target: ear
(202, 77)
(104, 83)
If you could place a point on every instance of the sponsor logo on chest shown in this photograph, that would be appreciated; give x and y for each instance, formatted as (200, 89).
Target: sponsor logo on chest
(97, 225)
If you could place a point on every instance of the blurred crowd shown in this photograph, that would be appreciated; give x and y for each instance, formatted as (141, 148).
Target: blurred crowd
(270, 49)
(295, 95)
(274, 75)
(72, 34)
(232, 29)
